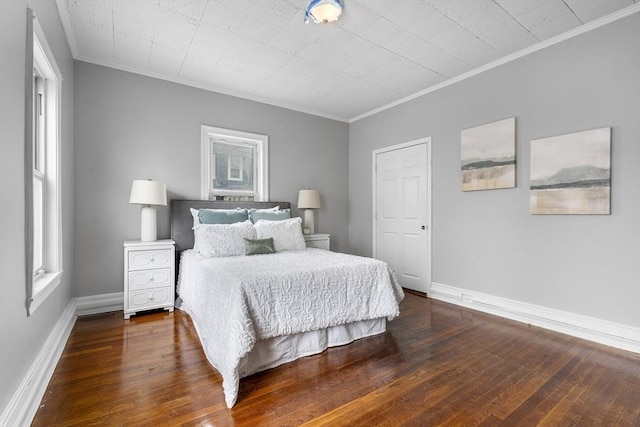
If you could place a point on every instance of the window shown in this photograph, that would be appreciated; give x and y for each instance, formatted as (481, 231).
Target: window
(237, 164)
(43, 199)
(234, 165)
(39, 177)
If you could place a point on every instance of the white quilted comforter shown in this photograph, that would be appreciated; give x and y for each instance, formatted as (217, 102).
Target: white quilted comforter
(235, 301)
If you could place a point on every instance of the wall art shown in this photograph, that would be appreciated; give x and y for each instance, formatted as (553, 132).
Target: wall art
(571, 174)
(488, 156)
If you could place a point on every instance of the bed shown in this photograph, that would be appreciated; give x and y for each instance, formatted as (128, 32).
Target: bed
(257, 312)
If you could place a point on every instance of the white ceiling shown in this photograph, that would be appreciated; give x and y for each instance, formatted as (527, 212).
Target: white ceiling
(379, 52)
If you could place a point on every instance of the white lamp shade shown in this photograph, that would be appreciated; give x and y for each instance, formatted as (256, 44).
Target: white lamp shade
(148, 193)
(308, 199)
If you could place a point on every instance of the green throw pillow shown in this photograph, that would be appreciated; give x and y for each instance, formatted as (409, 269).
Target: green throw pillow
(258, 246)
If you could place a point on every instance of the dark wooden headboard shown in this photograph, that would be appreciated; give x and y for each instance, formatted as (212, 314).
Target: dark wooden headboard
(182, 220)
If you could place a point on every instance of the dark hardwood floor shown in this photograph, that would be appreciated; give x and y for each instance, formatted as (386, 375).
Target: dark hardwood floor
(438, 364)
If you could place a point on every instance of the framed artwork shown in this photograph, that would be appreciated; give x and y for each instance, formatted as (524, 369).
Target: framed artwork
(488, 156)
(571, 174)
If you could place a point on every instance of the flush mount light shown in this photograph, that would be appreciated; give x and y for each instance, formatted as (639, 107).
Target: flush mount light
(323, 11)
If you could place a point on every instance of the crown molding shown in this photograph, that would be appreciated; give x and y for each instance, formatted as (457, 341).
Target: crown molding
(623, 13)
(63, 12)
(210, 88)
(68, 30)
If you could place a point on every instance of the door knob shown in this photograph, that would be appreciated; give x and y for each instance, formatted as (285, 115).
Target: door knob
(423, 227)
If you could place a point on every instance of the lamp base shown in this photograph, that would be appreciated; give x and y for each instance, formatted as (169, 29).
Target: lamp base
(148, 224)
(308, 221)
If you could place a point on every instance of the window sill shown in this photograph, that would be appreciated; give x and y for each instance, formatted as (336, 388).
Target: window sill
(44, 286)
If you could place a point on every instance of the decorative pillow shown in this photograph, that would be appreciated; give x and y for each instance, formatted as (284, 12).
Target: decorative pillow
(286, 234)
(222, 216)
(219, 240)
(194, 214)
(256, 215)
(258, 246)
(275, 208)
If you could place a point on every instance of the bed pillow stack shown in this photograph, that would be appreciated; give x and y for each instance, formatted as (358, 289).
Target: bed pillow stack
(232, 232)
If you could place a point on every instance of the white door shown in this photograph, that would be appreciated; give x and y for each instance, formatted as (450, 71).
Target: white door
(401, 212)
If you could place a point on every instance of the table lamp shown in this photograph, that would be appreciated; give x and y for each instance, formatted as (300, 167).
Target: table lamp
(308, 200)
(148, 193)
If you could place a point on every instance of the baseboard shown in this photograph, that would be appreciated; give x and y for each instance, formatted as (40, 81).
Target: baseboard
(412, 292)
(601, 331)
(25, 401)
(100, 303)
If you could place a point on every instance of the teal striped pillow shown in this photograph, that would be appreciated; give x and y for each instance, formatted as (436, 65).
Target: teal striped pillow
(269, 214)
(222, 216)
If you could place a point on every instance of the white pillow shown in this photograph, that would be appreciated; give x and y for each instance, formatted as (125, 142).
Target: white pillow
(218, 240)
(196, 219)
(286, 234)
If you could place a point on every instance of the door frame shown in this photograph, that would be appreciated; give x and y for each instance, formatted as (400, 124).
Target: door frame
(420, 141)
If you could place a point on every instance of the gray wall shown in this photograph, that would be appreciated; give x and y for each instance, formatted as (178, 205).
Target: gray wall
(130, 127)
(21, 337)
(487, 241)
(134, 127)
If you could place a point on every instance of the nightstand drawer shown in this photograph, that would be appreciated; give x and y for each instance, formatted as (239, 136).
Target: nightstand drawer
(142, 260)
(319, 244)
(150, 298)
(144, 279)
(318, 240)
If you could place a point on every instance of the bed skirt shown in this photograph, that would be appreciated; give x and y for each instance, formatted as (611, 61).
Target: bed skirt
(272, 352)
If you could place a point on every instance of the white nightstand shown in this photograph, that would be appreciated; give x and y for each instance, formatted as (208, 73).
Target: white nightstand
(148, 275)
(318, 240)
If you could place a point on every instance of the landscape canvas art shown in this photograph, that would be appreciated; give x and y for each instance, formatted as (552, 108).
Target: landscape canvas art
(571, 174)
(488, 156)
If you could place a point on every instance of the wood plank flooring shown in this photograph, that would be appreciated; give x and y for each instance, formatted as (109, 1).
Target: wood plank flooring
(438, 364)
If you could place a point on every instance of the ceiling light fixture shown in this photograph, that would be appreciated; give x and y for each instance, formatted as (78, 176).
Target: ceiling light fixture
(323, 11)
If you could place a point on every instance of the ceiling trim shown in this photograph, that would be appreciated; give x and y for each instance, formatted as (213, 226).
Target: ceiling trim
(210, 88)
(68, 30)
(623, 13)
(63, 12)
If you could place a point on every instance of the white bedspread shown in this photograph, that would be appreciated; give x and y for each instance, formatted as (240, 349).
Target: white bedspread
(235, 301)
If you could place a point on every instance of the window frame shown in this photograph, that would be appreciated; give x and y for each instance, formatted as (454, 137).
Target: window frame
(39, 172)
(41, 282)
(209, 134)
